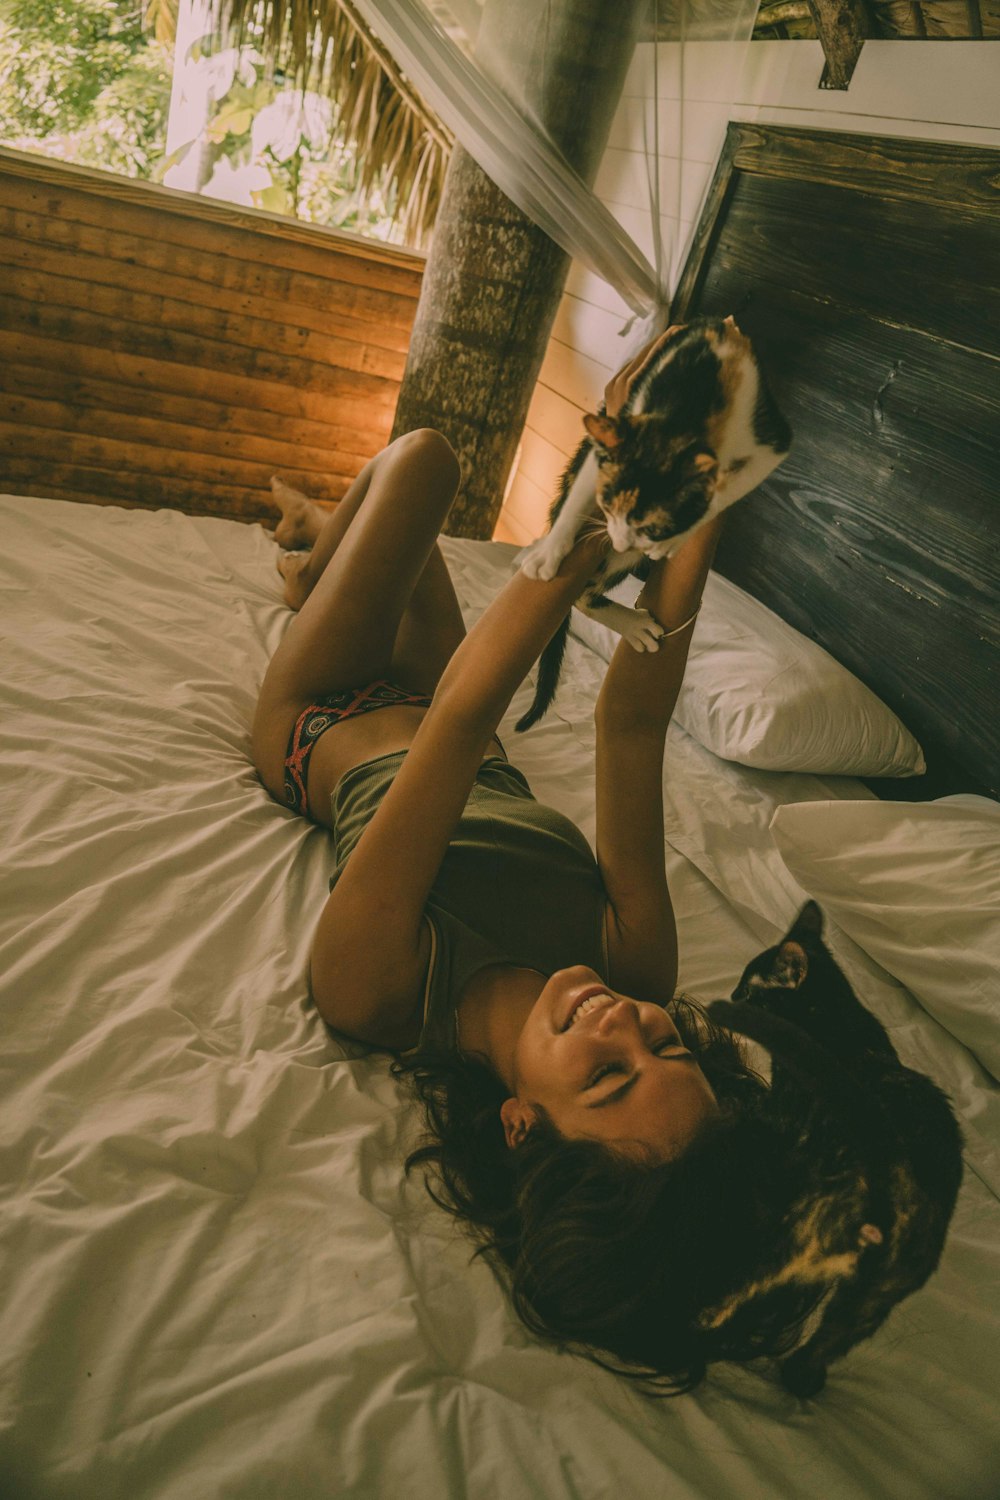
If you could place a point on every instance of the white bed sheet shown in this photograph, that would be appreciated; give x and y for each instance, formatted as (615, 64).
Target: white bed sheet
(215, 1281)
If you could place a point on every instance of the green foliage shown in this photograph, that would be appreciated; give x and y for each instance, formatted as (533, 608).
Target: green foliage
(57, 56)
(80, 80)
(278, 147)
(128, 125)
(88, 82)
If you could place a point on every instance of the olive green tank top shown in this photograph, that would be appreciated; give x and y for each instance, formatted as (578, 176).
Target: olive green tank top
(518, 885)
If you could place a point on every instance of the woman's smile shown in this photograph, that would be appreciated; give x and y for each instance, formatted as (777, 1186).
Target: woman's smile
(594, 998)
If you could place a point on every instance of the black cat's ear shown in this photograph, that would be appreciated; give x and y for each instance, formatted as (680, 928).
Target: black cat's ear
(604, 431)
(808, 924)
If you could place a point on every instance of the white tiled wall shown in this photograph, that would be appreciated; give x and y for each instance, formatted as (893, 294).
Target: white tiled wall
(944, 91)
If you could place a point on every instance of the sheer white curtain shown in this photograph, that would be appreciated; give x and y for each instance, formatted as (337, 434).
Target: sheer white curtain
(681, 84)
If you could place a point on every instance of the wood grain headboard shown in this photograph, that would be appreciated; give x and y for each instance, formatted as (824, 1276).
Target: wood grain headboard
(867, 272)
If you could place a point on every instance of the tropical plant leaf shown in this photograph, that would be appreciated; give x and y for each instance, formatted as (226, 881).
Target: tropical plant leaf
(402, 149)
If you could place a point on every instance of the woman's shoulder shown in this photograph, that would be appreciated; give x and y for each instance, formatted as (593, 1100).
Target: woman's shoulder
(457, 954)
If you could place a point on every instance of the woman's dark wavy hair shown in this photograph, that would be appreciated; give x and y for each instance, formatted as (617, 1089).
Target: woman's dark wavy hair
(607, 1255)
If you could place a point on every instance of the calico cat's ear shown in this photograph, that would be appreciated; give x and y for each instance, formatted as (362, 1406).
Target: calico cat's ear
(605, 431)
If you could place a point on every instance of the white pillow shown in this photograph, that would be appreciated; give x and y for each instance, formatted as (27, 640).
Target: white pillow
(917, 885)
(758, 692)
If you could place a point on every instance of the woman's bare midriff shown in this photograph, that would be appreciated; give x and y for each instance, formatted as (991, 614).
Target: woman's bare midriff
(356, 740)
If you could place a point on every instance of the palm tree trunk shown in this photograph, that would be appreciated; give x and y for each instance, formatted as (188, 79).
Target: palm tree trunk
(493, 279)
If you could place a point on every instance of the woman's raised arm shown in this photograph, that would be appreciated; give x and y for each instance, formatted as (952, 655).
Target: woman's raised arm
(634, 709)
(370, 948)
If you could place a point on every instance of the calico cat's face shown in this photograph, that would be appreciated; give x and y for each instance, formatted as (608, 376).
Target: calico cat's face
(652, 485)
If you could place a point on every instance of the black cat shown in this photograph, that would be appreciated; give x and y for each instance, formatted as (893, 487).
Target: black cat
(873, 1157)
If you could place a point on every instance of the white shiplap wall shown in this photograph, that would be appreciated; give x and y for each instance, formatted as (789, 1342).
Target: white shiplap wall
(944, 91)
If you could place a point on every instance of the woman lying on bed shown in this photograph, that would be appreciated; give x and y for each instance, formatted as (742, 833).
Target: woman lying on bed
(527, 988)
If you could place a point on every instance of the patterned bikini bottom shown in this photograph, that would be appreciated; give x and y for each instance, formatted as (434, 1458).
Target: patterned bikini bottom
(315, 720)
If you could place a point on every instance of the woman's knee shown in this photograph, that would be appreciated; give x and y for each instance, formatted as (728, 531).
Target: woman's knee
(432, 451)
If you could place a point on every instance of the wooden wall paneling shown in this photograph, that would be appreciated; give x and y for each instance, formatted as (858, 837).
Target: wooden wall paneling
(150, 432)
(188, 270)
(137, 458)
(542, 462)
(108, 400)
(210, 222)
(580, 379)
(125, 275)
(168, 350)
(331, 396)
(526, 507)
(113, 486)
(208, 324)
(156, 341)
(559, 420)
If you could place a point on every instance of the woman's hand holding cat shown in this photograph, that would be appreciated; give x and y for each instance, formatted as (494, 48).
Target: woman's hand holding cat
(617, 390)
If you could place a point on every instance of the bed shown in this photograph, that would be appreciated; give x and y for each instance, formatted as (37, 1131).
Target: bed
(216, 1280)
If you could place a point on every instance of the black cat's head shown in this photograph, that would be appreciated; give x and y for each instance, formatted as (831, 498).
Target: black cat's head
(653, 484)
(801, 962)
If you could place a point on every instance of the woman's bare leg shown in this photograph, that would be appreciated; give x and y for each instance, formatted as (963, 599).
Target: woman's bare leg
(373, 562)
(431, 626)
(301, 518)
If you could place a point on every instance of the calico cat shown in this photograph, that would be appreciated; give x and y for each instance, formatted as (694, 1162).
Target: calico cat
(698, 431)
(871, 1161)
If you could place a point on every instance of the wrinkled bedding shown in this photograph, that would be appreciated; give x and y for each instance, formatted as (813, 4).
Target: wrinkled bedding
(215, 1280)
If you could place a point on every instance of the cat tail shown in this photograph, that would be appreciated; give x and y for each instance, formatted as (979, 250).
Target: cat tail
(549, 670)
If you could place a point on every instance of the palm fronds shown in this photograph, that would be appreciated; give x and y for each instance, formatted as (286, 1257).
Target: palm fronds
(325, 45)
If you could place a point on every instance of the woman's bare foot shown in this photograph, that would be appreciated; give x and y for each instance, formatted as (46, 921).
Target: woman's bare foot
(301, 520)
(294, 569)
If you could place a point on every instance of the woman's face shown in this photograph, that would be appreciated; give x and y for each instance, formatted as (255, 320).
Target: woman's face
(606, 1068)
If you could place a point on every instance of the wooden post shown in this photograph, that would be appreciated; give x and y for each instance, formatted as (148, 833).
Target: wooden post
(493, 279)
(842, 26)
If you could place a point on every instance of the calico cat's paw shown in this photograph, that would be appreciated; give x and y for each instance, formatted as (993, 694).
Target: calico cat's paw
(642, 632)
(543, 559)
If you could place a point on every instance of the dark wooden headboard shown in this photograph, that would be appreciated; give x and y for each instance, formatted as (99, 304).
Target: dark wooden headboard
(867, 272)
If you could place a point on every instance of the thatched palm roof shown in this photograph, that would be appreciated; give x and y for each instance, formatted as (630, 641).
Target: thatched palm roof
(325, 45)
(397, 139)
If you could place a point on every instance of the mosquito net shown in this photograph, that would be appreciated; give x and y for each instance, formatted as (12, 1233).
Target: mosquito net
(498, 77)
(484, 69)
